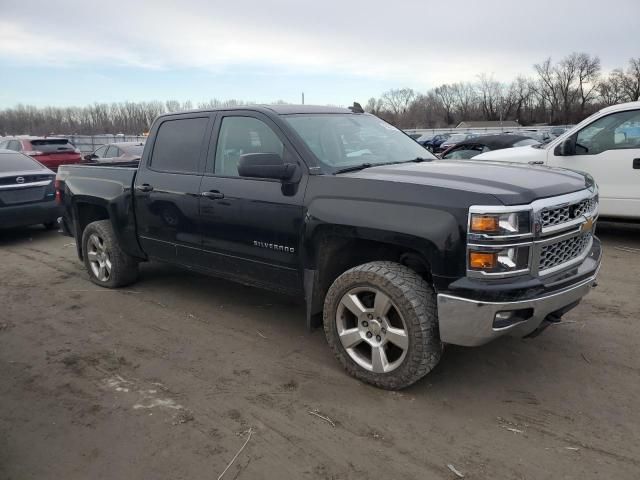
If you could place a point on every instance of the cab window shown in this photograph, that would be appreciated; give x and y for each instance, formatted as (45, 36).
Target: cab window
(240, 135)
(619, 130)
(178, 145)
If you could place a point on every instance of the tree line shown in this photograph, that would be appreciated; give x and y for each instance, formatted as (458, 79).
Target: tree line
(132, 118)
(562, 92)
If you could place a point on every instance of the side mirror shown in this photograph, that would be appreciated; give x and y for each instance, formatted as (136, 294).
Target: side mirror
(90, 157)
(265, 165)
(566, 148)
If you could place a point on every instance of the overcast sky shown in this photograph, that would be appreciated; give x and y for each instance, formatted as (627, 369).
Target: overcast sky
(67, 52)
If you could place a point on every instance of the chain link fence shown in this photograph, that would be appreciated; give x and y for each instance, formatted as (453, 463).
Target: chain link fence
(88, 143)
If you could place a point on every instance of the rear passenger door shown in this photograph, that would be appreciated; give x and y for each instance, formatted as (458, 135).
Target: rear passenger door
(251, 227)
(167, 187)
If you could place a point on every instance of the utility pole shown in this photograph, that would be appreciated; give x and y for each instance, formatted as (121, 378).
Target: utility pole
(302, 98)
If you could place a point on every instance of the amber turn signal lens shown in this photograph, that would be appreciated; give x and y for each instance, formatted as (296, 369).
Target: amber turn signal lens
(481, 223)
(483, 260)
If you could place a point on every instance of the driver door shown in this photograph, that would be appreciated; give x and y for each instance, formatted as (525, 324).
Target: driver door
(609, 150)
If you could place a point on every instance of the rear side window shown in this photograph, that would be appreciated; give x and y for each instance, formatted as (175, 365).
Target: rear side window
(16, 162)
(178, 145)
(52, 145)
(112, 152)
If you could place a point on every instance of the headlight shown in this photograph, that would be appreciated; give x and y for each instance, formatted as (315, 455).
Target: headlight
(499, 260)
(500, 224)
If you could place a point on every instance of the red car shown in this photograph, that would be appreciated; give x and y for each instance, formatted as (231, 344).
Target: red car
(49, 151)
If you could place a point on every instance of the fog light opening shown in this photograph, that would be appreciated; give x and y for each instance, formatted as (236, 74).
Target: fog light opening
(507, 318)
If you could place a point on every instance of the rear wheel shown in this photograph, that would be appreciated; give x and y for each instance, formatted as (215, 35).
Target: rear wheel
(107, 264)
(380, 320)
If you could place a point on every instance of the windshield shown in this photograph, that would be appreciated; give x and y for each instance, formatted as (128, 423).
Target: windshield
(344, 140)
(52, 145)
(458, 137)
(17, 162)
(525, 141)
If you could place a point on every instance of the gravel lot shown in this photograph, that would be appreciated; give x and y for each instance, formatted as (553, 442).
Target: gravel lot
(167, 379)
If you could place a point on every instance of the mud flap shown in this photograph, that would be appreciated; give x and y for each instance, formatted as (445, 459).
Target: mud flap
(313, 303)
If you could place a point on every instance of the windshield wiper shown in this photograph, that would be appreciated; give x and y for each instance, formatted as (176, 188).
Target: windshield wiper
(353, 168)
(362, 166)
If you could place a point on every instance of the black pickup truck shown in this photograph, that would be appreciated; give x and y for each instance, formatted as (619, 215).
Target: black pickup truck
(394, 251)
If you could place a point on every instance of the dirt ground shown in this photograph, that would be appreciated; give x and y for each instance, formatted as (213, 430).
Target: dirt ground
(167, 380)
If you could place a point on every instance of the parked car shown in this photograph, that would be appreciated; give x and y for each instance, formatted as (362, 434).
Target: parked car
(475, 146)
(27, 192)
(49, 151)
(398, 251)
(598, 146)
(541, 136)
(123, 152)
(434, 143)
(454, 139)
(557, 131)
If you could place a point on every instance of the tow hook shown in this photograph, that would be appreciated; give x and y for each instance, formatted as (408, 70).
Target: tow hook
(549, 320)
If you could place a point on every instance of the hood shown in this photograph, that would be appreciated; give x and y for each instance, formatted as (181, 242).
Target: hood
(524, 154)
(510, 183)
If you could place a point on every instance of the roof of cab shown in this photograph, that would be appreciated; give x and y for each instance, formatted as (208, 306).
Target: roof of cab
(272, 109)
(297, 109)
(620, 107)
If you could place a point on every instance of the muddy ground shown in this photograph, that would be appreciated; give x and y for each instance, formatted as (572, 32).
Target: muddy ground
(167, 380)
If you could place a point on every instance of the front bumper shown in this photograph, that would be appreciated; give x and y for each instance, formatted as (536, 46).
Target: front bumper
(472, 322)
(29, 214)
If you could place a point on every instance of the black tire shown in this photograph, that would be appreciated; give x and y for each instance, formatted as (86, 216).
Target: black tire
(124, 268)
(414, 300)
(50, 225)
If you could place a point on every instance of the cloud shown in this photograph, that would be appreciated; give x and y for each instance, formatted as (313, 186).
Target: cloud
(416, 42)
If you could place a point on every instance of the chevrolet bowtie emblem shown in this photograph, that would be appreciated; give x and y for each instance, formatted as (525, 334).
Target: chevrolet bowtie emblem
(587, 226)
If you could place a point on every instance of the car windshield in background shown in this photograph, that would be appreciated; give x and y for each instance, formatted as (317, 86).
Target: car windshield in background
(526, 141)
(465, 153)
(52, 145)
(341, 141)
(16, 162)
(458, 137)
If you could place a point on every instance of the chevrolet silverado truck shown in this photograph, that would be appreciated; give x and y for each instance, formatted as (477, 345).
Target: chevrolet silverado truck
(395, 252)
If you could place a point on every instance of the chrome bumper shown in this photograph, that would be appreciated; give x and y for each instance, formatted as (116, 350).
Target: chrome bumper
(469, 323)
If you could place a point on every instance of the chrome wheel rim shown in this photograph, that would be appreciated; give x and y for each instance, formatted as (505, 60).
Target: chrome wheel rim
(372, 330)
(99, 258)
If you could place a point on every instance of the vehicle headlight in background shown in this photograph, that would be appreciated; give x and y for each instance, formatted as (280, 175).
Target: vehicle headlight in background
(500, 224)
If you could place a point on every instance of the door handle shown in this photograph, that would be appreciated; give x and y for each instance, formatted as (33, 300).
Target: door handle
(536, 162)
(145, 187)
(636, 163)
(212, 195)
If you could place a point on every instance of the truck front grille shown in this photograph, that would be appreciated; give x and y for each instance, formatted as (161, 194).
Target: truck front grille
(558, 215)
(563, 251)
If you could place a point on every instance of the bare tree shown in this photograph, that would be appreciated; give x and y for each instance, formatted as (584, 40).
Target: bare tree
(631, 80)
(588, 75)
(447, 99)
(398, 100)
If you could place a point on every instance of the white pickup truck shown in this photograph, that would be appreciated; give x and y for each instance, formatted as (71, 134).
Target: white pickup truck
(606, 145)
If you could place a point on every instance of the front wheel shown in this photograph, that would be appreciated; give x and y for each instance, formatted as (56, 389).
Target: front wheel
(380, 320)
(107, 264)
